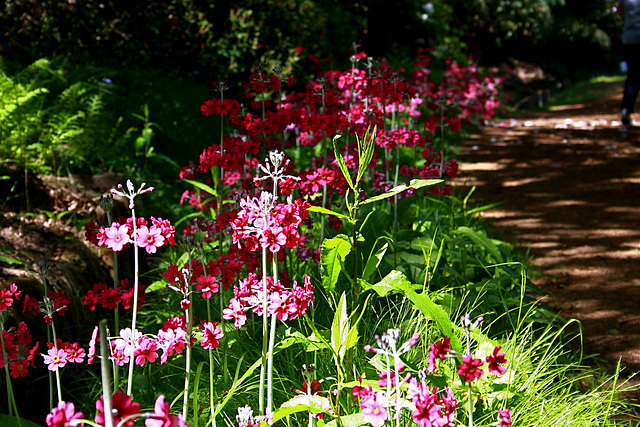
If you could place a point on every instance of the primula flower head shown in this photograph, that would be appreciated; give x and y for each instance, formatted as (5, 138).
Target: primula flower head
(162, 416)
(63, 414)
(122, 407)
(495, 359)
(470, 368)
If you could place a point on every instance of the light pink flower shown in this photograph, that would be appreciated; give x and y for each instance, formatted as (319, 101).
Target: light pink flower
(117, 236)
(92, 345)
(150, 239)
(374, 410)
(55, 358)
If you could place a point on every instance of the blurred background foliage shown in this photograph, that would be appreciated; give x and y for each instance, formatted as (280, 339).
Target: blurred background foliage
(116, 85)
(218, 39)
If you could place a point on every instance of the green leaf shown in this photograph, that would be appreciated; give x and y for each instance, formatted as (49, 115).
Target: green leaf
(433, 311)
(155, 286)
(201, 186)
(483, 241)
(340, 328)
(341, 163)
(373, 262)
(10, 260)
(429, 308)
(333, 253)
(367, 154)
(321, 210)
(9, 421)
(353, 420)
(413, 184)
(318, 404)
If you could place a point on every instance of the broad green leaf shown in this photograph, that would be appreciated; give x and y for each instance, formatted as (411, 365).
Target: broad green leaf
(333, 253)
(483, 241)
(155, 286)
(10, 260)
(201, 186)
(367, 154)
(429, 308)
(322, 210)
(341, 163)
(373, 262)
(340, 327)
(353, 420)
(9, 421)
(413, 184)
(303, 402)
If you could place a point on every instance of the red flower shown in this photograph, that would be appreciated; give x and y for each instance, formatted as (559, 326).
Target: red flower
(494, 361)
(470, 368)
(5, 299)
(19, 368)
(123, 407)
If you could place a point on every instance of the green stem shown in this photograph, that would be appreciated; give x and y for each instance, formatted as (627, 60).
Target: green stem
(11, 400)
(265, 302)
(116, 374)
(106, 373)
(135, 299)
(187, 368)
(55, 345)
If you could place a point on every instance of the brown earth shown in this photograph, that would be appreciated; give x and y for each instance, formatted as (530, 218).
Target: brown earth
(570, 183)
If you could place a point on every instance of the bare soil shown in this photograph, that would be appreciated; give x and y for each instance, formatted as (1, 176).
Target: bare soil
(569, 181)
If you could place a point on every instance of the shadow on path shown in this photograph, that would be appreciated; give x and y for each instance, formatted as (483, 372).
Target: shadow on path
(570, 183)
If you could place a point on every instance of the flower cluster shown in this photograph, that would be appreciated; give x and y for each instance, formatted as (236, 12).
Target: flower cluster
(109, 298)
(284, 303)
(121, 233)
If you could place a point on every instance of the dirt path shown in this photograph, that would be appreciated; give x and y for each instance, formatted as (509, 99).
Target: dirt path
(570, 183)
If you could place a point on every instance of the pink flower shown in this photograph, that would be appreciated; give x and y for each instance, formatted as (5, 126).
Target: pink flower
(150, 239)
(123, 407)
(494, 361)
(207, 285)
(145, 351)
(439, 350)
(211, 335)
(469, 369)
(505, 417)
(63, 415)
(117, 236)
(374, 410)
(5, 299)
(55, 359)
(92, 345)
(162, 417)
(75, 353)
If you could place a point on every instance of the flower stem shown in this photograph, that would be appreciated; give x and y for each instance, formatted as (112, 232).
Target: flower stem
(116, 374)
(265, 301)
(135, 298)
(187, 368)
(105, 369)
(11, 400)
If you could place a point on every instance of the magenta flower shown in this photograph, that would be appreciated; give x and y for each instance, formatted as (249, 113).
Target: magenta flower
(494, 361)
(470, 368)
(92, 345)
(207, 285)
(117, 236)
(150, 239)
(145, 351)
(56, 358)
(439, 350)
(211, 335)
(122, 407)
(162, 416)
(505, 417)
(5, 299)
(62, 415)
